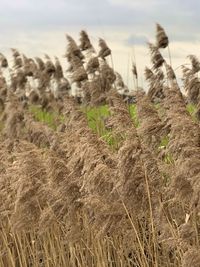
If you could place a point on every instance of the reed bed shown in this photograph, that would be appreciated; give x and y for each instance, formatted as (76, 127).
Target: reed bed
(88, 179)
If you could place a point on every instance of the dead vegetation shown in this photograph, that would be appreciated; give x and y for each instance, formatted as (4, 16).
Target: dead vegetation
(67, 198)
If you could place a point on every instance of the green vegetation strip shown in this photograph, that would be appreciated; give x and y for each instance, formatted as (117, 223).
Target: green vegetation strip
(52, 119)
(192, 109)
(96, 117)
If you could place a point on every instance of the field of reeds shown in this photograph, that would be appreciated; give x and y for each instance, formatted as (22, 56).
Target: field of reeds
(95, 175)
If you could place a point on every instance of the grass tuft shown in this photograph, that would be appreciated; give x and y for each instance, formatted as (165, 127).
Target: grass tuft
(52, 119)
(192, 109)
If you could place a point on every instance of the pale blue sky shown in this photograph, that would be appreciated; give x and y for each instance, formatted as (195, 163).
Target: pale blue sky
(39, 26)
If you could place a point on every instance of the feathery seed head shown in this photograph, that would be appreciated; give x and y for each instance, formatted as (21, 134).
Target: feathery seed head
(161, 37)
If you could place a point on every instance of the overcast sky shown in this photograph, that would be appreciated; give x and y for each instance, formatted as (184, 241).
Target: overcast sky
(36, 27)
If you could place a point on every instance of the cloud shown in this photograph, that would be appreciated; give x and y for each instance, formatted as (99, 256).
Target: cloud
(46, 14)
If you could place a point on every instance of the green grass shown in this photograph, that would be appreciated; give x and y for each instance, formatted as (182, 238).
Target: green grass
(168, 159)
(133, 113)
(191, 108)
(96, 117)
(164, 142)
(52, 119)
(166, 178)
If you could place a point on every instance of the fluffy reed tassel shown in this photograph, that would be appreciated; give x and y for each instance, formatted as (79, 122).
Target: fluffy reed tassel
(195, 63)
(187, 76)
(14, 118)
(58, 69)
(29, 65)
(170, 72)
(191, 258)
(17, 58)
(92, 65)
(134, 70)
(63, 194)
(15, 52)
(150, 124)
(132, 163)
(104, 49)
(30, 187)
(149, 75)
(156, 57)
(73, 49)
(193, 90)
(40, 63)
(155, 91)
(85, 41)
(107, 76)
(74, 63)
(49, 66)
(79, 75)
(38, 133)
(161, 37)
(186, 70)
(3, 61)
(119, 81)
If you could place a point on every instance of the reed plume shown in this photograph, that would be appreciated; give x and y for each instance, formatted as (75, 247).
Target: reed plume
(195, 63)
(156, 57)
(170, 72)
(73, 49)
(193, 89)
(134, 70)
(85, 41)
(92, 65)
(162, 40)
(58, 69)
(40, 62)
(16, 58)
(4, 61)
(104, 49)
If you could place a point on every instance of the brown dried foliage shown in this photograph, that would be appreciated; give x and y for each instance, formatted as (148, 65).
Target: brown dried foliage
(156, 57)
(161, 37)
(85, 41)
(104, 49)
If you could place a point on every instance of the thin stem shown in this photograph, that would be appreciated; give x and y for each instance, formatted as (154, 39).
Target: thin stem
(112, 63)
(169, 53)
